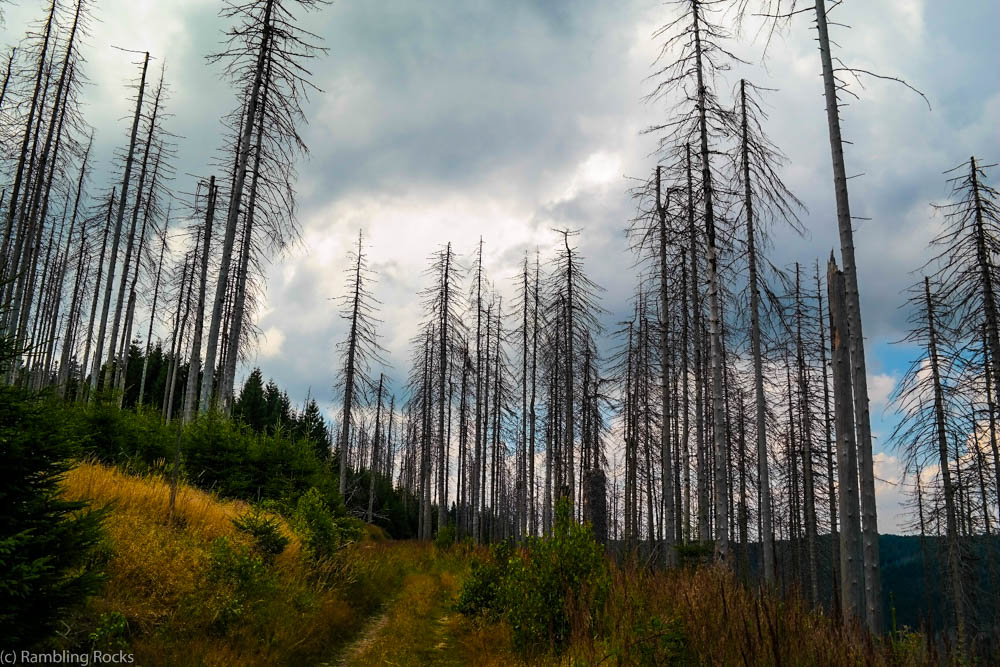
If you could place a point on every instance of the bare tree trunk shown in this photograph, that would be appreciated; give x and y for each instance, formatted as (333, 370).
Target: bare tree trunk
(831, 491)
(25, 141)
(992, 412)
(261, 80)
(665, 451)
(97, 292)
(568, 368)
(760, 400)
(715, 314)
(850, 530)
(114, 362)
(187, 286)
(99, 349)
(352, 347)
(986, 272)
(442, 370)
(152, 311)
(374, 459)
(531, 428)
(873, 585)
(66, 347)
(477, 456)
(805, 414)
(194, 363)
(949, 489)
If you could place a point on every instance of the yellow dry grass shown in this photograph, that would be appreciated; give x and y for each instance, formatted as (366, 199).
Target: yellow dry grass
(158, 576)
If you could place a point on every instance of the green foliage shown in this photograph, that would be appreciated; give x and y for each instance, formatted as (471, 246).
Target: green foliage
(138, 439)
(244, 579)
(445, 537)
(110, 633)
(483, 592)
(693, 554)
(265, 531)
(539, 589)
(659, 642)
(323, 533)
(45, 542)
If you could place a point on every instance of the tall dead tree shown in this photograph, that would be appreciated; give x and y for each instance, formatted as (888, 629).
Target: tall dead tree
(926, 403)
(116, 236)
(266, 53)
(358, 351)
(194, 361)
(851, 564)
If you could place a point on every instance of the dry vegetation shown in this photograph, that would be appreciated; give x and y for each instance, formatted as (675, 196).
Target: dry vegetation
(192, 591)
(383, 602)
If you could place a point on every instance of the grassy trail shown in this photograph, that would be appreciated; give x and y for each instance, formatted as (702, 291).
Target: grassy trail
(416, 627)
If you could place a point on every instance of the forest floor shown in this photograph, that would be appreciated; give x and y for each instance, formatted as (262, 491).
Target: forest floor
(416, 627)
(192, 590)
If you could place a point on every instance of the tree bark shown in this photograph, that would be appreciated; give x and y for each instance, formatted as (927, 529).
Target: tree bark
(851, 572)
(873, 585)
(194, 363)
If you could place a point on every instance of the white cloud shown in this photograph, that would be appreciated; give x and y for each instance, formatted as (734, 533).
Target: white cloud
(890, 493)
(880, 387)
(271, 342)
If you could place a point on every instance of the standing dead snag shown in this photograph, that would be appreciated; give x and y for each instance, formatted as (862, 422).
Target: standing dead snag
(851, 573)
(116, 237)
(764, 198)
(194, 361)
(359, 350)
(873, 584)
(927, 404)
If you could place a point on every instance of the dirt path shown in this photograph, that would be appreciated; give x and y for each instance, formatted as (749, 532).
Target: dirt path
(414, 629)
(368, 637)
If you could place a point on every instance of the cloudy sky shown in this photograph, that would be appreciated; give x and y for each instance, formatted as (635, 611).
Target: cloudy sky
(443, 121)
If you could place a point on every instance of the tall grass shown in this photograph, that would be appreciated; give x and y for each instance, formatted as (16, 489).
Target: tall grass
(193, 591)
(698, 616)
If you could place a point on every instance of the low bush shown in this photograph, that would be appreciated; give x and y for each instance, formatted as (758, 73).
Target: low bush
(538, 588)
(264, 530)
(323, 532)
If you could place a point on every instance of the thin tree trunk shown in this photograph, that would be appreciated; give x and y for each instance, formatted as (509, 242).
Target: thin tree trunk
(152, 311)
(99, 348)
(194, 363)
(97, 292)
(760, 400)
(349, 373)
(665, 453)
(949, 490)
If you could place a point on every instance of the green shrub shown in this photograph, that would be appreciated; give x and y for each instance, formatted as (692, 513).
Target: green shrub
(323, 532)
(45, 542)
(445, 537)
(265, 531)
(541, 587)
(110, 633)
(482, 593)
(137, 440)
(243, 578)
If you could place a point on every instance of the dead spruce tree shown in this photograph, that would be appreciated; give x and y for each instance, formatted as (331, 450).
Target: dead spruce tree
(928, 404)
(116, 234)
(359, 351)
(194, 360)
(695, 43)
(265, 56)
(764, 199)
(572, 316)
(442, 303)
